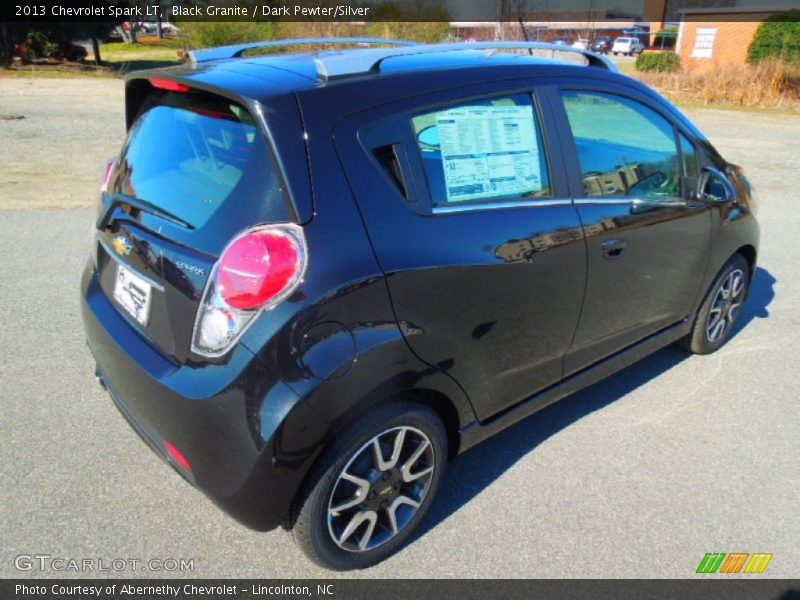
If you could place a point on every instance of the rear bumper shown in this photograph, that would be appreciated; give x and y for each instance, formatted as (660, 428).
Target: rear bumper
(248, 439)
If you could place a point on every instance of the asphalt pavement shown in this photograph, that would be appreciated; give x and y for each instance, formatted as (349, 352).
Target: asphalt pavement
(637, 476)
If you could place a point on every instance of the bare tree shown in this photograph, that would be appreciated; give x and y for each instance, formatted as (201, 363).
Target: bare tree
(159, 27)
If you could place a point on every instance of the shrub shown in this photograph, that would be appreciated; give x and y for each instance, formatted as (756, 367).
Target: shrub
(40, 44)
(777, 37)
(661, 62)
(223, 33)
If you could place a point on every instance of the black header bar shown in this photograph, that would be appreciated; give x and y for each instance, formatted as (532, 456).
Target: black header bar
(458, 11)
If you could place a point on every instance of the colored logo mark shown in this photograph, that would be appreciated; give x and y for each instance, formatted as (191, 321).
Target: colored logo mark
(734, 562)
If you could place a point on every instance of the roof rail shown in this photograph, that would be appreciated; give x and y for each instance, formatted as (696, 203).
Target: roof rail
(341, 65)
(235, 50)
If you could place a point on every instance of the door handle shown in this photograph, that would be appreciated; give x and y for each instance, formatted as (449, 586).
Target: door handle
(614, 248)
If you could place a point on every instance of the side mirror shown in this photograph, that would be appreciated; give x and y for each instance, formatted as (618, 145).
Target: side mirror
(714, 186)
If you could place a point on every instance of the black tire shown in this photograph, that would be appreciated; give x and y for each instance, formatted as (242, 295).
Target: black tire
(700, 340)
(310, 516)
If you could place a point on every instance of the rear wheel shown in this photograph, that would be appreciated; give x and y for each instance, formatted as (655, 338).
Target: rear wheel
(372, 487)
(720, 311)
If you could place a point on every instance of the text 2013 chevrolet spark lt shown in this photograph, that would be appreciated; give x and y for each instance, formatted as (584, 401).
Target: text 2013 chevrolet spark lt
(318, 276)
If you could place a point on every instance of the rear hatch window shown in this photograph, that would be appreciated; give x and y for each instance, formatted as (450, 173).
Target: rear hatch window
(195, 170)
(191, 154)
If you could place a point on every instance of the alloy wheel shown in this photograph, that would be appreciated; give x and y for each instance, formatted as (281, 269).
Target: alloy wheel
(380, 489)
(727, 302)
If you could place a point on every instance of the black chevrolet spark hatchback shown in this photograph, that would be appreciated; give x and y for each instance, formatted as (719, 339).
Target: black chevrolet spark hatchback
(316, 277)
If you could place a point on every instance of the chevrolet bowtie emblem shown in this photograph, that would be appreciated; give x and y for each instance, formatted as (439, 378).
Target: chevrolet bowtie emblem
(122, 244)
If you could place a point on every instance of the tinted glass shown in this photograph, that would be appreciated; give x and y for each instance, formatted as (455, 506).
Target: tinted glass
(483, 150)
(192, 154)
(691, 169)
(624, 147)
(689, 155)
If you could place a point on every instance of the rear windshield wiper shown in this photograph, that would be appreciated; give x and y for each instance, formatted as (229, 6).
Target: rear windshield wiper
(107, 216)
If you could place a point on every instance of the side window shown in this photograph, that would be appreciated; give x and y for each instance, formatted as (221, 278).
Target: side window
(483, 150)
(624, 147)
(689, 156)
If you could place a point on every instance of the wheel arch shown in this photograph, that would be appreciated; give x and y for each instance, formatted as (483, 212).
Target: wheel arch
(750, 254)
(444, 407)
(341, 402)
(441, 404)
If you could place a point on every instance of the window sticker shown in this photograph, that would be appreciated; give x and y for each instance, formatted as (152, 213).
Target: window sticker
(488, 151)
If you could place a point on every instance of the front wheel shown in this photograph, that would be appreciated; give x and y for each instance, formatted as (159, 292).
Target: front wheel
(721, 308)
(372, 488)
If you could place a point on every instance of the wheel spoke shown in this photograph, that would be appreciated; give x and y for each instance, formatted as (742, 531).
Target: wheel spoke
(412, 460)
(717, 330)
(392, 510)
(377, 452)
(737, 284)
(724, 289)
(368, 516)
(365, 539)
(732, 312)
(408, 476)
(377, 455)
(355, 499)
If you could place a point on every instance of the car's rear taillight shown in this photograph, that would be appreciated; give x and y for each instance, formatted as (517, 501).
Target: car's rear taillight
(110, 164)
(109, 170)
(256, 267)
(257, 270)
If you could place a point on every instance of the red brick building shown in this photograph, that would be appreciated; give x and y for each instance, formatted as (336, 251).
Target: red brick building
(718, 38)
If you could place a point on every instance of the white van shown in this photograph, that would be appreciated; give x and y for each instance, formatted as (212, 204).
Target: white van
(627, 45)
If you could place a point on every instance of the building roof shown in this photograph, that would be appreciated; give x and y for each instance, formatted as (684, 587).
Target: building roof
(733, 10)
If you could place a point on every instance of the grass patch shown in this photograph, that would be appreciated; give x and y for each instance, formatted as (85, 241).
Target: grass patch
(149, 53)
(57, 70)
(766, 86)
(118, 58)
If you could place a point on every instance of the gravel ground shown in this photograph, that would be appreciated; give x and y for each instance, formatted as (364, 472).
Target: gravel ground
(638, 476)
(54, 156)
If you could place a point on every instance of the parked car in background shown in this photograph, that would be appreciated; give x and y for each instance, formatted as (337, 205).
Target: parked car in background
(602, 45)
(151, 27)
(628, 46)
(561, 41)
(581, 43)
(314, 279)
